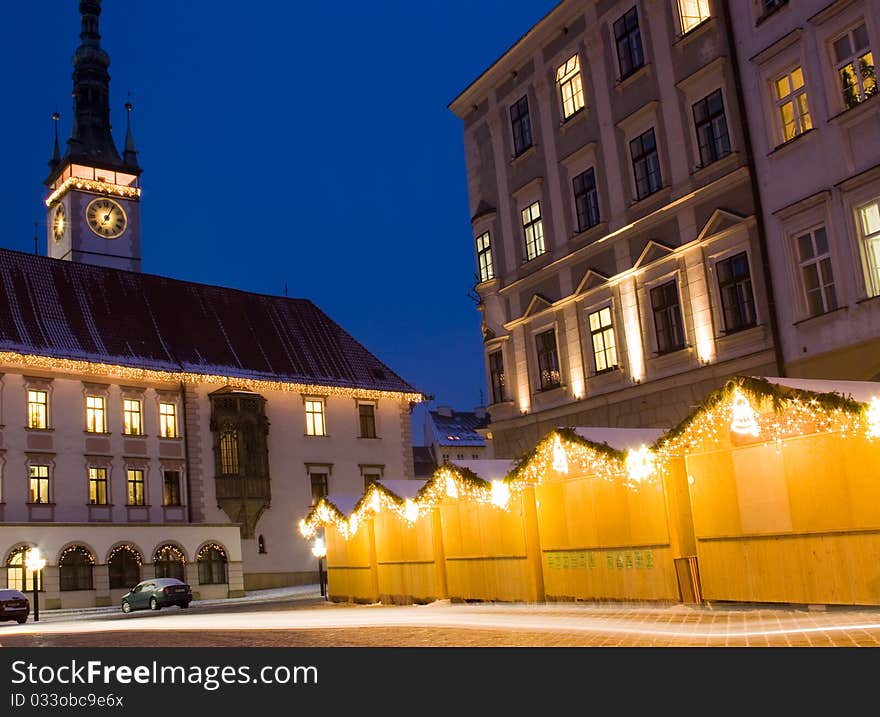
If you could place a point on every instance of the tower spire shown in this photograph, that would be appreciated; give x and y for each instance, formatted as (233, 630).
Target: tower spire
(56, 150)
(129, 156)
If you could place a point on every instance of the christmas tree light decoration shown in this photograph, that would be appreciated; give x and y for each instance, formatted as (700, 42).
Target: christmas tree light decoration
(873, 418)
(639, 464)
(560, 459)
(500, 493)
(745, 419)
(411, 510)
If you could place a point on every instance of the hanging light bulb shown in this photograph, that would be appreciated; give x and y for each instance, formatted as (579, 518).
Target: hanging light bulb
(745, 420)
(411, 510)
(560, 460)
(375, 501)
(451, 488)
(873, 416)
(639, 463)
(500, 493)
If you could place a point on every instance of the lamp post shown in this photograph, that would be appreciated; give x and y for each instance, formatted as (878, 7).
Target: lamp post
(35, 563)
(319, 550)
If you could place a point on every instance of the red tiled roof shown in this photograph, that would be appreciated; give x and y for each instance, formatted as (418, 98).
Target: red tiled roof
(64, 309)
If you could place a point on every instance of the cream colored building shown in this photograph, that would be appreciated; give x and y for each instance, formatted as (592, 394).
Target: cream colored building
(622, 271)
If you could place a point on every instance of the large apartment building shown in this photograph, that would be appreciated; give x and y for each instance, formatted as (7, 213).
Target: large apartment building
(622, 267)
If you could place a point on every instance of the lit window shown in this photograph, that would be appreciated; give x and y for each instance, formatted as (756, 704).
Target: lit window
(646, 164)
(792, 105)
(630, 55)
(96, 414)
(533, 229)
(692, 13)
(315, 418)
(135, 480)
(98, 486)
(167, 420)
(484, 258)
(571, 87)
(131, 417)
(229, 453)
(496, 377)
(548, 360)
(667, 317)
(711, 125)
(171, 488)
(367, 420)
(735, 286)
(39, 484)
(602, 338)
(521, 125)
(816, 273)
(855, 66)
(586, 199)
(18, 576)
(38, 409)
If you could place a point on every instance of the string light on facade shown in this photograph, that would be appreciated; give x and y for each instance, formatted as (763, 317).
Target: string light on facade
(745, 419)
(872, 415)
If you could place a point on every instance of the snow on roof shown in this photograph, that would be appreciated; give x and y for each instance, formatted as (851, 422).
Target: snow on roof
(862, 391)
(488, 469)
(459, 429)
(621, 439)
(404, 488)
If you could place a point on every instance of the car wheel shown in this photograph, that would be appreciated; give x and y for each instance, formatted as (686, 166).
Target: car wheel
(154, 604)
(184, 605)
(126, 606)
(21, 620)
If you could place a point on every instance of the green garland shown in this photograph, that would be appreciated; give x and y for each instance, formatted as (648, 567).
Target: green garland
(567, 434)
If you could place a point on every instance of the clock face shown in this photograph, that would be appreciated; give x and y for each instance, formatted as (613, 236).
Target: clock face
(59, 223)
(106, 218)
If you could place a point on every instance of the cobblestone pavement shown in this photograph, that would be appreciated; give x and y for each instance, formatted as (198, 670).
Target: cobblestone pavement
(312, 623)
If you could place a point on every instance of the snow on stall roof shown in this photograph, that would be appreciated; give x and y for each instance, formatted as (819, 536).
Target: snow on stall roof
(404, 488)
(621, 439)
(488, 469)
(862, 391)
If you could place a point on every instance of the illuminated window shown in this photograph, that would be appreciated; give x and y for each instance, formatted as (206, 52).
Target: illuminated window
(131, 417)
(18, 577)
(135, 480)
(548, 360)
(168, 420)
(315, 417)
(711, 125)
(533, 229)
(628, 37)
(735, 286)
(855, 66)
(171, 488)
(692, 13)
(816, 272)
(791, 104)
(869, 224)
(646, 164)
(571, 87)
(229, 452)
(521, 125)
(96, 421)
(484, 257)
(98, 486)
(586, 199)
(667, 317)
(496, 377)
(38, 409)
(602, 338)
(367, 420)
(39, 484)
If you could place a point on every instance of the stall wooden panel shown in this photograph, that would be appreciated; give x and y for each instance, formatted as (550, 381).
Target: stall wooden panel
(405, 559)
(351, 569)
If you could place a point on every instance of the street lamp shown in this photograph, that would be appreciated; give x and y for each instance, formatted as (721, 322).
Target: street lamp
(35, 563)
(319, 550)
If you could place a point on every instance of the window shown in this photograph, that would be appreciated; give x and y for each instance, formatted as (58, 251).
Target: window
(39, 484)
(371, 474)
(229, 452)
(602, 339)
(171, 488)
(791, 103)
(667, 317)
(646, 164)
(124, 566)
(735, 287)
(630, 55)
(18, 577)
(315, 418)
(38, 409)
(319, 486)
(446, 458)
(75, 569)
(135, 480)
(571, 87)
(815, 265)
(855, 66)
(521, 125)
(170, 563)
(484, 258)
(261, 545)
(96, 421)
(167, 420)
(367, 419)
(771, 5)
(869, 219)
(586, 199)
(548, 360)
(212, 565)
(496, 377)
(98, 486)
(692, 13)
(131, 417)
(711, 125)
(533, 229)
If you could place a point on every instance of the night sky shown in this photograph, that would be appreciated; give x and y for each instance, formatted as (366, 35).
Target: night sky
(285, 144)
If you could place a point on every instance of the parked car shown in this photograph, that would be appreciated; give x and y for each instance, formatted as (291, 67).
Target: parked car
(14, 605)
(157, 593)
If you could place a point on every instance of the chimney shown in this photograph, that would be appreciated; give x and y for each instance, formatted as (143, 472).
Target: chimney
(445, 411)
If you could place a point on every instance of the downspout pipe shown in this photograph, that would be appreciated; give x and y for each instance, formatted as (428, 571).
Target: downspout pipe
(185, 425)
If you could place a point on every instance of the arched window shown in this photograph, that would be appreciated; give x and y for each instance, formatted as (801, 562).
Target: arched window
(261, 544)
(170, 563)
(212, 565)
(124, 565)
(75, 568)
(18, 577)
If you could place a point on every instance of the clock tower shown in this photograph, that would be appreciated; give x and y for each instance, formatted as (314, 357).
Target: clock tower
(93, 205)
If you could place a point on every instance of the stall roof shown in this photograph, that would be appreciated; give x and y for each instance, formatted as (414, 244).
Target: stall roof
(621, 439)
(862, 391)
(488, 469)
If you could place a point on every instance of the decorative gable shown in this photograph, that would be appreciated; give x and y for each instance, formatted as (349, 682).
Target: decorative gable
(537, 305)
(720, 221)
(592, 279)
(653, 251)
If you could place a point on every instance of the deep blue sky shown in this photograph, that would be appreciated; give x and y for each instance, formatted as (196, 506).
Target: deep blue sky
(285, 143)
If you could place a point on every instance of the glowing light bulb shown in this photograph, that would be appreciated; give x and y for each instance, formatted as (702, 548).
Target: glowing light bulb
(745, 420)
(500, 493)
(639, 463)
(451, 488)
(560, 460)
(354, 522)
(375, 501)
(873, 416)
(410, 510)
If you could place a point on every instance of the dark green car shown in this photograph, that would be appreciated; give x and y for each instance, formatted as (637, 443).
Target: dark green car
(157, 593)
